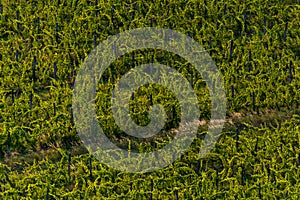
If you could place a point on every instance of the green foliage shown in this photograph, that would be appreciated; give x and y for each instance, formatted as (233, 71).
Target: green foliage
(259, 62)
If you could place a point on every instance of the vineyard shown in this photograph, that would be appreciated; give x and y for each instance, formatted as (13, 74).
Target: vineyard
(255, 45)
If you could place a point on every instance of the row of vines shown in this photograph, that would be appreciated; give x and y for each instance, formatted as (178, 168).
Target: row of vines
(249, 163)
(255, 44)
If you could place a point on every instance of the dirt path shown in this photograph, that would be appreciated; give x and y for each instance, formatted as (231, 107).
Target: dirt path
(268, 118)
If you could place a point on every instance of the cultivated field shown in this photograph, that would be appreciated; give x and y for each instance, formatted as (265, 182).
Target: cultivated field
(255, 45)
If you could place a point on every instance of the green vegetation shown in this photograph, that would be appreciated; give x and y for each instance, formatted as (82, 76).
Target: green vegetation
(255, 45)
